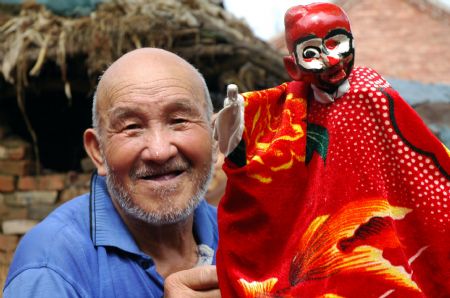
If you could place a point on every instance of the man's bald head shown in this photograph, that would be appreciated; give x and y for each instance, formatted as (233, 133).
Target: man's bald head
(145, 64)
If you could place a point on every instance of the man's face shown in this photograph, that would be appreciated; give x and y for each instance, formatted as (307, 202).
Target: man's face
(157, 147)
(325, 61)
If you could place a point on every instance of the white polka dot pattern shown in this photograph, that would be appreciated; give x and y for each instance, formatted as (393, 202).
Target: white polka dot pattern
(365, 144)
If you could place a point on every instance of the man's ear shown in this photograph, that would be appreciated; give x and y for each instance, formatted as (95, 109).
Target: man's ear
(92, 147)
(292, 68)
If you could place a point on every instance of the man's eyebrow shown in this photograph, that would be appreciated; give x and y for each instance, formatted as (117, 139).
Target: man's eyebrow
(124, 112)
(183, 107)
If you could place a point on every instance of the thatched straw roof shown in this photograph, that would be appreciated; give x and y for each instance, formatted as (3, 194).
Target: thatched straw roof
(50, 64)
(221, 46)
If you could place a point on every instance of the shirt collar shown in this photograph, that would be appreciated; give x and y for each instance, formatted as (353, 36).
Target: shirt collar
(324, 97)
(108, 228)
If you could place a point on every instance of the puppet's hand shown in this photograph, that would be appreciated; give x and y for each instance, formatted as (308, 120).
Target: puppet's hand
(232, 94)
(229, 123)
(233, 97)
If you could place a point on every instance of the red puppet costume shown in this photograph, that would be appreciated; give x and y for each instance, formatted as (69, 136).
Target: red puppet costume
(336, 189)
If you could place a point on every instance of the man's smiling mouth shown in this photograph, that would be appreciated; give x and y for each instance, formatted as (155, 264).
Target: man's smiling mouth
(162, 176)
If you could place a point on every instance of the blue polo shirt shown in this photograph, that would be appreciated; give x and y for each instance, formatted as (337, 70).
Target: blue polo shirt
(83, 249)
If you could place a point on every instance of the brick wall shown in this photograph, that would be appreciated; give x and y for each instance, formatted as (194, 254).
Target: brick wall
(25, 199)
(398, 38)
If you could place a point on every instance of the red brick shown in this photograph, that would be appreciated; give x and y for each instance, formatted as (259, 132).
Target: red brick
(8, 242)
(19, 167)
(3, 207)
(7, 183)
(6, 258)
(47, 182)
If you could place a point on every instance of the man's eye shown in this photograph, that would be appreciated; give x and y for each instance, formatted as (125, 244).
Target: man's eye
(131, 126)
(179, 121)
(309, 53)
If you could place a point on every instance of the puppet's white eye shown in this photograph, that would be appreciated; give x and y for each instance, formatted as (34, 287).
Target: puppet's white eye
(339, 44)
(311, 52)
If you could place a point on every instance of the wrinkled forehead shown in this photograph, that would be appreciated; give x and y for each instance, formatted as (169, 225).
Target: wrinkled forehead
(317, 19)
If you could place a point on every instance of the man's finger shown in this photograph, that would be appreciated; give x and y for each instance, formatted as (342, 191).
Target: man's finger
(199, 280)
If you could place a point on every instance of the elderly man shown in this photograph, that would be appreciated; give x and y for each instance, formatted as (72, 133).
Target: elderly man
(144, 230)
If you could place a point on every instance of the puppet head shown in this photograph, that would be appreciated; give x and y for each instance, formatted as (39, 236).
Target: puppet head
(320, 45)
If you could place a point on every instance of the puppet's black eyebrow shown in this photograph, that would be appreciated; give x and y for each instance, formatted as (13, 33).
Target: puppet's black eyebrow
(338, 31)
(305, 38)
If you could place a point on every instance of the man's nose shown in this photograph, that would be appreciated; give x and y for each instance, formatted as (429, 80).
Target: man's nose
(159, 145)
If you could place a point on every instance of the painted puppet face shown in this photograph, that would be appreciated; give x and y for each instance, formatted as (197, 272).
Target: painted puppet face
(320, 42)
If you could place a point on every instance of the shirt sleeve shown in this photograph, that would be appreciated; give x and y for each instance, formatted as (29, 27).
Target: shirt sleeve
(40, 282)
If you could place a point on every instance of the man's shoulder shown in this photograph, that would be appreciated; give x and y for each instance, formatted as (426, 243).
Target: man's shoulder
(59, 241)
(71, 216)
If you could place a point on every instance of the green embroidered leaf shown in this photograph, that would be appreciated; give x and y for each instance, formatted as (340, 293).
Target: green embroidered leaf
(316, 140)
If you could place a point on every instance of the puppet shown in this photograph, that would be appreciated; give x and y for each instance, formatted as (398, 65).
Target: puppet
(335, 187)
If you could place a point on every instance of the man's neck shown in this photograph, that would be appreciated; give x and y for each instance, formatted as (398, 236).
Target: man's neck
(172, 247)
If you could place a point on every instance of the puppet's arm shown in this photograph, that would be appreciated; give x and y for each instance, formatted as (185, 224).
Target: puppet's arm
(229, 124)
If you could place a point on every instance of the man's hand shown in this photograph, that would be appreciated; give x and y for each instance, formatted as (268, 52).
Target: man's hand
(196, 282)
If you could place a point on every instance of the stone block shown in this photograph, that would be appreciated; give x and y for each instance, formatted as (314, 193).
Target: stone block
(79, 179)
(26, 198)
(12, 200)
(87, 165)
(42, 182)
(14, 149)
(7, 183)
(39, 212)
(18, 226)
(72, 192)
